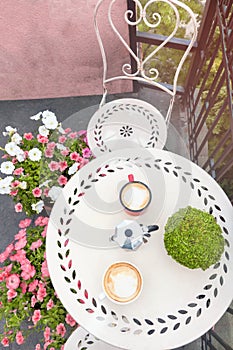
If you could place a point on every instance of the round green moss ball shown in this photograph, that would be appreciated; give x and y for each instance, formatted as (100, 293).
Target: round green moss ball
(193, 238)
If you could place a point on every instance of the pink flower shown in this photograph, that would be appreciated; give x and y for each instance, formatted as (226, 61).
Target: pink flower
(36, 192)
(14, 192)
(20, 256)
(48, 153)
(25, 223)
(42, 139)
(36, 245)
(41, 293)
(75, 156)
(44, 269)
(53, 166)
(23, 286)
(41, 221)
(83, 162)
(65, 152)
(33, 301)
(13, 281)
(86, 152)
(62, 139)
(62, 180)
(18, 208)
(32, 286)
(50, 304)
(36, 316)
(43, 234)
(45, 221)
(10, 248)
(61, 329)
(3, 257)
(22, 233)
(21, 243)
(5, 342)
(47, 343)
(70, 320)
(28, 271)
(51, 145)
(19, 338)
(11, 294)
(67, 130)
(82, 132)
(18, 171)
(38, 347)
(73, 135)
(47, 334)
(46, 192)
(63, 165)
(15, 183)
(28, 136)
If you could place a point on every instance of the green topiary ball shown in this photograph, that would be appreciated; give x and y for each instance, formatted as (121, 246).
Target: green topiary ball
(193, 238)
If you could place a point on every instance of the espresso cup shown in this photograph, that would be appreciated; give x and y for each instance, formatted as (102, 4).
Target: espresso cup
(122, 283)
(135, 196)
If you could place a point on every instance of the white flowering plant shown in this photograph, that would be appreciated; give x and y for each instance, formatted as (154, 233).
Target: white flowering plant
(37, 165)
(28, 300)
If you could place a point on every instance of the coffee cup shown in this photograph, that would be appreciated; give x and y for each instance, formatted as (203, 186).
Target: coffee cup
(135, 196)
(122, 283)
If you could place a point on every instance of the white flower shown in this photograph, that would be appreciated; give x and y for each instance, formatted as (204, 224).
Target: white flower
(43, 131)
(7, 168)
(34, 154)
(9, 131)
(60, 146)
(54, 192)
(36, 116)
(61, 130)
(45, 183)
(73, 168)
(38, 207)
(23, 185)
(5, 185)
(49, 119)
(16, 138)
(12, 149)
(20, 156)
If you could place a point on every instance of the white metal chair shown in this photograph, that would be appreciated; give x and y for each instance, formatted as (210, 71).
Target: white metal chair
(126, 122)
(81, 339)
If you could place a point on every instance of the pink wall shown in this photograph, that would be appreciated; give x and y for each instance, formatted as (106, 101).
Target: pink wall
(48, 48)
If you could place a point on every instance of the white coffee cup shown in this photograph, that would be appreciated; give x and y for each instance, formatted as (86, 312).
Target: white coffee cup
(122, 283)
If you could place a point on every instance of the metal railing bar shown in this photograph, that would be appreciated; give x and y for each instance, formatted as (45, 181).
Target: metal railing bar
(209, 132)
(224, 170)
(206, 76)
(157, 39)
(202, 57)
(220, 340)
(224, 155)
(221, 143)
(213, 92)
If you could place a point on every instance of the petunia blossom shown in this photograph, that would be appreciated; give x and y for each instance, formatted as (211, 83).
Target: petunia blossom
(19, 338)
(50, 304)
(36, 316)
(28, 136)
(5, 342)
(69, 320)
(37, 244)
(25, 223)
(18, 208)
(11, 294)
(13, 281)
(53, 166)
(47, 334)
(62, 180)
(36, 192)
(61, 329)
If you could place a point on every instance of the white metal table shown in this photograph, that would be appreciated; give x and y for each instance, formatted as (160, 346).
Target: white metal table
(177, 305)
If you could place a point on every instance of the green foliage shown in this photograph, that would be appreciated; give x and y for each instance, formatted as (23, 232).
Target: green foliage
(193, 238)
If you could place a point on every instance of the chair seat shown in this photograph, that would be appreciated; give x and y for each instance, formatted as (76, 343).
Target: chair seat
(126, 123)
(81, 339)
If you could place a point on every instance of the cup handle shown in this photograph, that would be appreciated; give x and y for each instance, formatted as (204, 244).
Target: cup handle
(130, 177)
(101, 296)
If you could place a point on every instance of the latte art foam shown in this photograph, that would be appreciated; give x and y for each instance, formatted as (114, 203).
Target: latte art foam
(122, 282)
(135, 196)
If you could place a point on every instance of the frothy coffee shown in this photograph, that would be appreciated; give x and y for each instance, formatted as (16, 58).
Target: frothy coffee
(135, 196)
(122, 282)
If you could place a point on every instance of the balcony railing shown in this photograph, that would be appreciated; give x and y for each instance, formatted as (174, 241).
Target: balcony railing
(209, 95)
(207, 90)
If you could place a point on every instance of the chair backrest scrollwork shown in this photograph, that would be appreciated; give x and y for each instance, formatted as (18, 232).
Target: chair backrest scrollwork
(151, 75)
